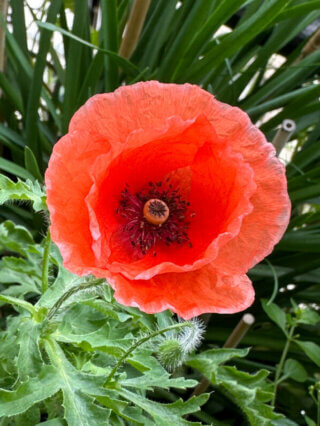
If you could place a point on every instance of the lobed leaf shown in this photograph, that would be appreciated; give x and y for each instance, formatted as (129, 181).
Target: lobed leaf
(164, 414)
(29, 393)
(249, 392)
(28, 190)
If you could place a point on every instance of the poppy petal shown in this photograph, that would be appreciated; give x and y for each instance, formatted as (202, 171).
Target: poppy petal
(67, 184)
(187, 294)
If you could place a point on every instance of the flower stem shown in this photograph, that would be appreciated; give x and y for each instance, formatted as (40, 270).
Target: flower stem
(143, 340)
(71, 292)
(45, 264)
(281, 363)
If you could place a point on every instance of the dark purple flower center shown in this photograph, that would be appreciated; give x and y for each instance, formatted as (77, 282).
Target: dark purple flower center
(157, 213)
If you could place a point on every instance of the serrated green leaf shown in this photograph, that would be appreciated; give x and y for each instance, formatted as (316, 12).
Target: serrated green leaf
(295, 370)
(20, 277)
(104, 339)
(29, 393)
(29, 360)
(15, 238)
(29, 417)
(20, 190)
(53, 422)
(107, 308)
(249, 392)
(24, 271)
(122, 409)
(311, 349)
(164, 414)
(275, 313)
(77, 389)
(154, 375)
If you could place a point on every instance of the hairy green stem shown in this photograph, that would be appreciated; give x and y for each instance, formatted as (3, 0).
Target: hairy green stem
(45, 263)
(281, 363)
(143, 340)
(71, 292)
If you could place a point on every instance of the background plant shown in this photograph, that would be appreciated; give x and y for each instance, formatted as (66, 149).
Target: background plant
(41, 87)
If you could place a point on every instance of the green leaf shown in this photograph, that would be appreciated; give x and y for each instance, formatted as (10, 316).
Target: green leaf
(15, 238)
(249, 392)
(109, 32)
(28, 418)
(309, 421)
(29, 359)
(53, 422)
(295, 370)
(222, 11)
(275, 313)
(32, 116)
(283, 422)
(311, 349)
(23, 270)
(307, 316)
(29, 393)
(11, 92)
(113, 341)
(20, 276)
(154, 375)
(298, 10)
(79, 406)
(107, 308)
(164, 414)
(123, 409)
(31, 164)
(235, 40)
(77, 58)
(126, 65)
(195, 18)
(14, 169)
(209, 361)
(19, 190)
(307, 241)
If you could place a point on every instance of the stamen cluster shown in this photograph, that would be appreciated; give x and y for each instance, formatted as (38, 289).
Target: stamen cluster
(144, 235)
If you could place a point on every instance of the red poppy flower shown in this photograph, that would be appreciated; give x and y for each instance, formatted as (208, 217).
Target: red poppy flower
(169, 194)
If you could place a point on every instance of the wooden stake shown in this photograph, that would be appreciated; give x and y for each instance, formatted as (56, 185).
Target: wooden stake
(134, 26)
(3, 12)
(283, 134)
